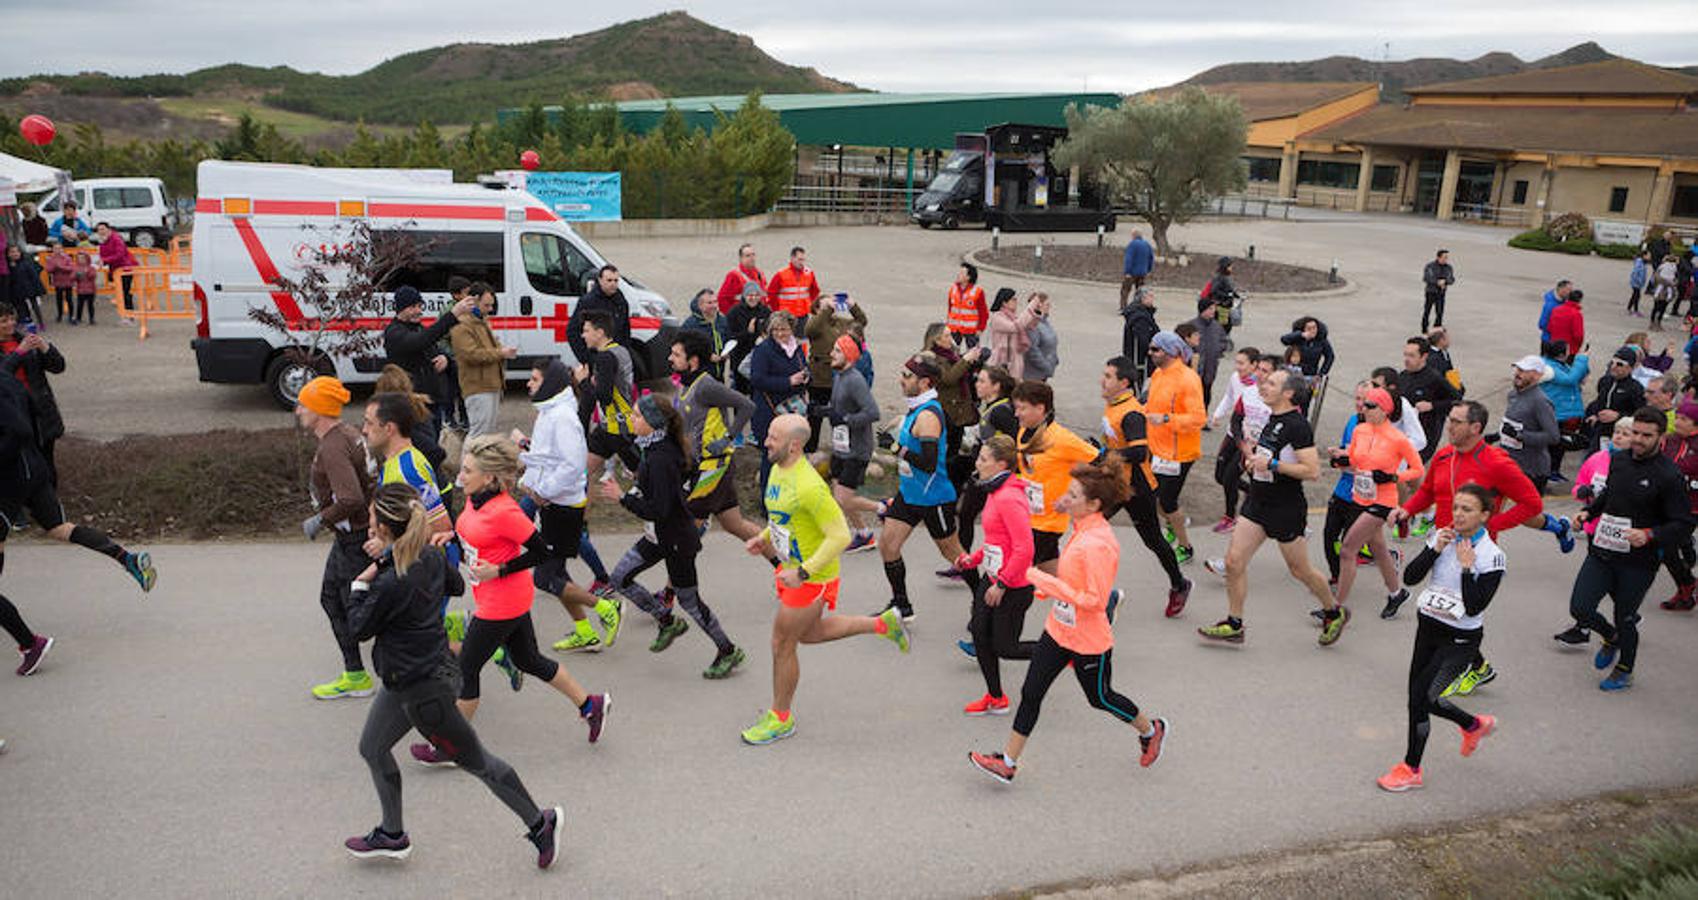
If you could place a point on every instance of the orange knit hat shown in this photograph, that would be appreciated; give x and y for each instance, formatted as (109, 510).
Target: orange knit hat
(324, 395)
(847, 346)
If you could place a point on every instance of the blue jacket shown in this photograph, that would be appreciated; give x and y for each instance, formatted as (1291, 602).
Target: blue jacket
(1563, 388)
(770, 369)
(1140, 259)
(1552, 301)
(1640, 274)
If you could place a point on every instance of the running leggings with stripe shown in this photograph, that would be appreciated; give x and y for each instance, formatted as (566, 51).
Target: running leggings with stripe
(1442, 653)
(1141, 509)
(681, 573)
(428, 705)
(518, 635)
(1093, 670)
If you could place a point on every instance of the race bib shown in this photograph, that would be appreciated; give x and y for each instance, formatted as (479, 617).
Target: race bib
(840, 440)
(1164, 466)
(1612, 534)
(1509, 436)
(780, 537)
(1441, 602)
(1266, 477)
(991, 562)
(1363, 487)
(1063, 612)
(1035, 498)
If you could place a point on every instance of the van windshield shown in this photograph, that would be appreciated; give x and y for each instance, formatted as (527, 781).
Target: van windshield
(553, 265)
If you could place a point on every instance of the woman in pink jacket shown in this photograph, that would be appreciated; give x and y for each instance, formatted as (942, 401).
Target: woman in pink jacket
(1004, 593)
(1008, 328)
(1593, 472)
(1078, 632)
(115, 255)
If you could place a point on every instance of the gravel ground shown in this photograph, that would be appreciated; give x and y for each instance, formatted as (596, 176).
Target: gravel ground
(1090, 263)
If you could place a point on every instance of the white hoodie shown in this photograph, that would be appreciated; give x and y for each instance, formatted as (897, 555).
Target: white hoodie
(555, 464)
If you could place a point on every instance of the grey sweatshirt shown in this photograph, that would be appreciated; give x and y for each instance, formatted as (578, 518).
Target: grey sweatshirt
(852, 405)
(708, 393)
(1529, 429)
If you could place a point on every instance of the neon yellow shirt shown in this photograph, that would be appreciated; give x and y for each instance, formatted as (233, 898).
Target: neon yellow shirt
(804, 522)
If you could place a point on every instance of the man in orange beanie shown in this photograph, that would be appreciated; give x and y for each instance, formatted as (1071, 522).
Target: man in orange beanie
(341, 493)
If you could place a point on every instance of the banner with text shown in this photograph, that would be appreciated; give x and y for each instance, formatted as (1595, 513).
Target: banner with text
(578, 196)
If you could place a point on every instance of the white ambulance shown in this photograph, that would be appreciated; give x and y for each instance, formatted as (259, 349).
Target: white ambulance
(256, 222)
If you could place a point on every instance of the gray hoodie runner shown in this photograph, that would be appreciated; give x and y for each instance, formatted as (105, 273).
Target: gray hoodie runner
(852, 405)
(1529, 429)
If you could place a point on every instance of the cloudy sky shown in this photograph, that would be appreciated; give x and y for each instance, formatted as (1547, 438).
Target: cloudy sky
(891, 45)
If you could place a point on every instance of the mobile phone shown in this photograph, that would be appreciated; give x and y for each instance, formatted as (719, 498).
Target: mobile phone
(842, 300)
(31, 328)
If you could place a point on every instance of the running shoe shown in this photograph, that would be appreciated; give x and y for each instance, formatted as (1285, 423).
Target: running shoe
(906, 610)
(1483, 726)
(1177, 598)
(515, 678)
(1168, 535)
(1401, 778)
(601, 587)
(1574, 636)
(1113, 604)
(1183, 554)
(987, 706)
(596, 715)
(350, 684)
(546, 836)
(1558, 478)
(1215, 565)
(428, 755)
(1422, 527)
(379, 845)
(893, 630)
(1332, 629)
(1483, 676)
(1462, 685)
(34, 655)
(454, 624)
(1565, 536)
(952, 574)
(724, 663)
(1225, 525)
(1152, 745)
(669, 632)
(969, 648)
(576, 641)
(1223, 631)
(1619, 680)
(863, 540)
(140, 567)
(1605, 656)
(2, 745)
(1364, 557)
(993, 764)
(1393, 601)
(769, 729)
(611, 617)
(1685, 597)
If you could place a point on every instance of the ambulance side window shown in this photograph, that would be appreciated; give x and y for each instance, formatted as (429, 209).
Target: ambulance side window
(552, 264)
(442, 254)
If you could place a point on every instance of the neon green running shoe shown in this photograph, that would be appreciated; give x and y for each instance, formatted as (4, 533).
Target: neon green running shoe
(611, 611)
(1422, 527)
(1464, 684)
(769, 729)
(515, 678)
(351, 684)
(893, 630)
(1223, 631)
(1183, 554)
(669, 632)
(577, 640)
(454, 623)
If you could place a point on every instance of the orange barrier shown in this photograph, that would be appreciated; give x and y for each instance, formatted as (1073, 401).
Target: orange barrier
(156, 292)
(181, 251)
(73, 252)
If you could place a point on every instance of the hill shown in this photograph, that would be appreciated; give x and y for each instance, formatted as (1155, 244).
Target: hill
(1394, 76)
(673, 54)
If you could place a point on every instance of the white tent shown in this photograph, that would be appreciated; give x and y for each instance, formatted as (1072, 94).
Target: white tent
(29, 177)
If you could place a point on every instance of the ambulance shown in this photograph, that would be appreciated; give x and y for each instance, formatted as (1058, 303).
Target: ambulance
(258, 222)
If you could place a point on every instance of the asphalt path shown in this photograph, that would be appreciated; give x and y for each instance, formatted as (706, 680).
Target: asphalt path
(169, 746)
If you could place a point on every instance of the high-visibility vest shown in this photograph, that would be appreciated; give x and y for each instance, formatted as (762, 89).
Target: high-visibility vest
(794, 291)
(966, 308)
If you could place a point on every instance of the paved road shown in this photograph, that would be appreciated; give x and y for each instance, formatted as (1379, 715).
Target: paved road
(169, 746)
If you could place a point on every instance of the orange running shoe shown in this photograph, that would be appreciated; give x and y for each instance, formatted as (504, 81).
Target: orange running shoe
(1483, 725)
(1401, 778)
(987, 706)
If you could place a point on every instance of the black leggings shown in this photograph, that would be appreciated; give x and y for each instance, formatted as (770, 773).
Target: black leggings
(1680, 563)
(518, 635)
(65, 303)
(1626, 583)
(1093, 671)
(1141, 509)
(967, 511)
(996, 633)
(346, 559)
(1442, 653)
(1341, 514)
(1229, 474)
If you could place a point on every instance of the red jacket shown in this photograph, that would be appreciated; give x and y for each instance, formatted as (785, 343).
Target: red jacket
(1485, 465)
(731, 289)
(1684, 452)
(1007, 519)
(1568, 324)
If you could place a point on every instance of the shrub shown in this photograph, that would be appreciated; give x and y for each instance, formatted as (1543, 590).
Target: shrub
(1618, 251)
(1569, 226)
(1577, 246)
(1663, 863)
(1536, 239)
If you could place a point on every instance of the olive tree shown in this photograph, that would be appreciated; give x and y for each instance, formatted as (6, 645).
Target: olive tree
(1164, 159)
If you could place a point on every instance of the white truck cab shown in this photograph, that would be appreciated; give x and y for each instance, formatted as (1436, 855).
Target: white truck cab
(136, 208)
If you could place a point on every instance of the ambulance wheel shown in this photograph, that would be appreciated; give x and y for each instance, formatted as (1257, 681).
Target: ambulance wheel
(287, 375)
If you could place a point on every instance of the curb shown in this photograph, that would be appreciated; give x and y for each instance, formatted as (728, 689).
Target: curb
(1347, 288)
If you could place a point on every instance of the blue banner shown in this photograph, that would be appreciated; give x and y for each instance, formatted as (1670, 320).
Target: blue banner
(578, 196)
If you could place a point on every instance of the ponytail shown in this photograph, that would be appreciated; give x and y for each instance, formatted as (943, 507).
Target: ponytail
(398, 509)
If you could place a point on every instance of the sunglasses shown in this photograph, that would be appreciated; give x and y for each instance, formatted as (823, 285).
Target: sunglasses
(1370, 405)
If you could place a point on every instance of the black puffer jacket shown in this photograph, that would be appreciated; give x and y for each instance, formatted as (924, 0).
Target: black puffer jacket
(658, 496)
(36, 365)
(412, 346)
(402, 613)
(1317, 351)
(22, 466)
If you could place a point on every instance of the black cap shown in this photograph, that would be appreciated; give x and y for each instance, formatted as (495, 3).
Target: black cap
(407, 296)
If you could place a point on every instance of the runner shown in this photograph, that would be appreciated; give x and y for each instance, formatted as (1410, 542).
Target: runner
(608, 374)
(1682, 447)
(808, 531)
(1238, 406)
(1004, 592)
(1078, 632)
(1048, 453)
(714, 417)
(854, 412)
(1378, 458)
(1528, 432)
(1282, 458)
(502, 546)
(1342, 510)
(341, 492)
(1642, 512)
(995, 389)
(1467, 567)
(1175, 413)
(924, 492)
(1426, 388)
(555, 480)
(1124, 433)
(395, 601)
(657, 496)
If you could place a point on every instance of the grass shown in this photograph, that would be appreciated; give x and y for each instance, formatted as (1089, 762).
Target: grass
(1663, 863)
(293, 125)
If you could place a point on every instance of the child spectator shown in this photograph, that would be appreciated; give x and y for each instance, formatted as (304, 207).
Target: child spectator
(84, 278)
(1636, 282)
(60, 273)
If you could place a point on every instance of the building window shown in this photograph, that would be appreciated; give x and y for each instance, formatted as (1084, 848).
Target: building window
(1261, 168)
(1385, 179)
(1316, 173)
(1519, 197)
(1618, 199)
(1685, 201)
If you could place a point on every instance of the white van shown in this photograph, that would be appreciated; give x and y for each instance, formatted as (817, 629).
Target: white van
(135, 208)
(254, 222)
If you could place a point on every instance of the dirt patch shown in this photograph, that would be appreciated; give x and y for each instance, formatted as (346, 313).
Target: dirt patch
(1090, 263)
(1502, 856)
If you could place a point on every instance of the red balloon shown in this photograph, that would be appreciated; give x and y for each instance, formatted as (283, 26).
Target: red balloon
(529, 159)
(37, 129)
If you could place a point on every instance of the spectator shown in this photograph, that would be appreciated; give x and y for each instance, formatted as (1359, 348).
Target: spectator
(1636, 281)
(747, 322)
(602, 296)
(35, 228)
(1136, 266)
(29, 358)
(825, 325)
(706, 318)
(86, 279)
(794, 289)
(26, 290)
(481, 359)
(1223, 292)
(967, 312)
(69, 228)
(744, 274)
(1009, 339)
(1211, 343)
(61, 273)
(1682, 282)
(5, 269)
(1568, 372)
(1657, 244)
(1663, 290)
(1648, 366)
(1553, 298)
(1309, 336)
(1043, 352)
(956, 373)
(410, 345)
(1135, 335)
(1438, 276)
(1567, 323)
(1438, 342)
(115, 255)
(778, 374)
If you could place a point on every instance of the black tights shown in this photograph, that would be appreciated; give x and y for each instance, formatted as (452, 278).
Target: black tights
(1681, 562)
(1141, 509)
(9, 617)
(1093, 671)
(1441, 655)
(518, 635)
(1341, 514)
(996, 633)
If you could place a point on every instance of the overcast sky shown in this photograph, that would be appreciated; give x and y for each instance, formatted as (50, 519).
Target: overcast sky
(890, 45)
